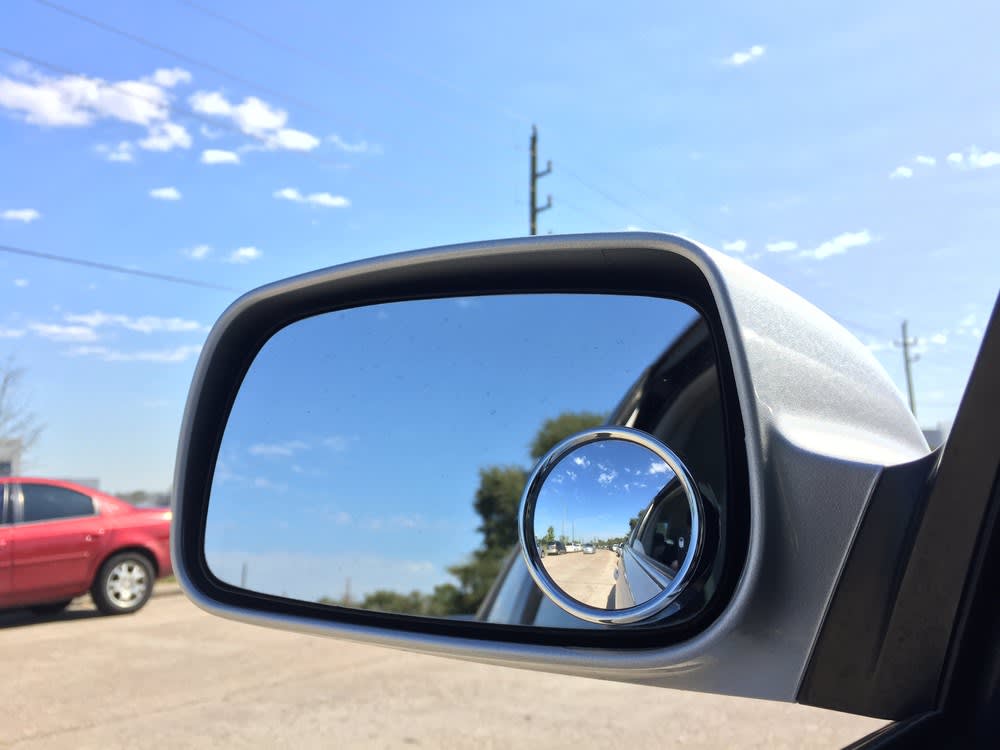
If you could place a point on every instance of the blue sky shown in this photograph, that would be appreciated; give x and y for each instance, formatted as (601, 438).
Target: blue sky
(355, 444)
(849, 151)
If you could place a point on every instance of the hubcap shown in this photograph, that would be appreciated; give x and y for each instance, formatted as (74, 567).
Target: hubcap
(127, 584)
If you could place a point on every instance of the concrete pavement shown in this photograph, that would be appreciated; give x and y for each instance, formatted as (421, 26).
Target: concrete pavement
(173, 676)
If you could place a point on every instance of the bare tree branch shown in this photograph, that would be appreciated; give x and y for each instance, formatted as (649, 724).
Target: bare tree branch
(17, 421)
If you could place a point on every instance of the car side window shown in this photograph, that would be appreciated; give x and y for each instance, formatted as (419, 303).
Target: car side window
(5, 509)
(43, 502)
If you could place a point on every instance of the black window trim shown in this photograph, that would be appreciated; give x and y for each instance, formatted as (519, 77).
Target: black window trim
(18, 506)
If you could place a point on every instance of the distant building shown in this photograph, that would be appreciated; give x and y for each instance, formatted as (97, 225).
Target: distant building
(10, 457)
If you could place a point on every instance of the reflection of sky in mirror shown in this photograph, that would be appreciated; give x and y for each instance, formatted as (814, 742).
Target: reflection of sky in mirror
(353, 448)
(597, 488)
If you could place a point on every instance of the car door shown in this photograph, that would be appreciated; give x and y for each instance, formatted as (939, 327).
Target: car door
(5, 545)
(56, 540)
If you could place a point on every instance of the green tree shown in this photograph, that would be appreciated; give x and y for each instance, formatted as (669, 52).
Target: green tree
(550, 535)
(557, 429)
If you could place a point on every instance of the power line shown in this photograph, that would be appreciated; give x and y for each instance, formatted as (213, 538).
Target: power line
(117, 269)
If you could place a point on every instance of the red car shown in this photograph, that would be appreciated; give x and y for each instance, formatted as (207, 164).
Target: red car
(59, 540)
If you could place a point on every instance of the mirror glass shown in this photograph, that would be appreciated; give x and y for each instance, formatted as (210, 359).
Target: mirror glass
(375, 457)
(591, 527)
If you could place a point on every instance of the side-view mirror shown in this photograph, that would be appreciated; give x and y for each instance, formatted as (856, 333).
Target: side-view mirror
(444, 450)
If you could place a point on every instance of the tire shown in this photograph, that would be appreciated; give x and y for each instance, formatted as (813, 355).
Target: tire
(49, 608)
(123, 584)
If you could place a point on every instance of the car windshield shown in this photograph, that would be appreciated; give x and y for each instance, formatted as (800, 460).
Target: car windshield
(162, 159)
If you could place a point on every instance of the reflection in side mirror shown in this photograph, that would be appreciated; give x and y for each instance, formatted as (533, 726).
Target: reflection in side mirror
(375, 457)
(624, 488)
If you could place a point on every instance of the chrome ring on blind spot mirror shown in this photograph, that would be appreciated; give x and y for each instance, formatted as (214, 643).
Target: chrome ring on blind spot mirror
(639, 509)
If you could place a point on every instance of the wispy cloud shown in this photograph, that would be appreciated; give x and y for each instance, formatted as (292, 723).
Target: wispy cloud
(165, 194)
(63, 333)
(901, 173)
(256, 118)
(124, 151)
(165, 356)
(25, 215)
(198, 252)
(781, 246)
(736, 246)
(581, 461)
(11, 333)
(924, 161)
(657, 467)
(839, 245)
(142, 324)
(361, 147)
(20, 283)
(218, 156)
(607, 477)
(339, 443)
(317, 199)
(744, 56)
(244, 255)
(286, 448)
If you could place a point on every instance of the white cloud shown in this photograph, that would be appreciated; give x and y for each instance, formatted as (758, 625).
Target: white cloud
(361, 147)
(11, 333)
(968, 321)
(901, 173)
(926, 161)
(217, 156)
(78, 101)
(782, 246)
(975, 159)
(170, 77)
(141, 324)
(742, 58)
(166, 136)
(178, 354)
(317, 199)
(26, 215)
(244, 255)
(736, 246)
(939, 338)
(166, 194)
(581, 461)
(287, 448)
(198, 252)
(607, 477)
(210, 133)
(983, 159)
(256, 118)
(658, 467)
(57, 332)
(21, 283)
(839, 245)
(292, 140)
(123, 152)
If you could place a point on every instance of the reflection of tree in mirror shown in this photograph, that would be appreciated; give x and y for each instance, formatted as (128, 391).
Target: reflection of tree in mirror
(496, 501)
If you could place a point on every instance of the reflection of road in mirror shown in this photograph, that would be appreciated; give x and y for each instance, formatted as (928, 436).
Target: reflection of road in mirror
(589, 579)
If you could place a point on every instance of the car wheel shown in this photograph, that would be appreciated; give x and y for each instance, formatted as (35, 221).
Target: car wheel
(50, 608)
(124, 584)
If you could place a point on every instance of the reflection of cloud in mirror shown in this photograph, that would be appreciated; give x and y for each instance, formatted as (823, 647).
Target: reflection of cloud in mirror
(607, 477)
(658, 467)
(338, 442)
(262, 483)
(581, 461)
(287, 448)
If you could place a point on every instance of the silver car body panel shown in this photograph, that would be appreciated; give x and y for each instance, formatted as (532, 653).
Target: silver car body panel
(821, 419)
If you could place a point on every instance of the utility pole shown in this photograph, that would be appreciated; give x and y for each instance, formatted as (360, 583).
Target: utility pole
(909, 359)
(535, 174)
(243, 577)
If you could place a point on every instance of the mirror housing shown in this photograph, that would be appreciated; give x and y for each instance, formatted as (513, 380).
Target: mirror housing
(812, 415)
